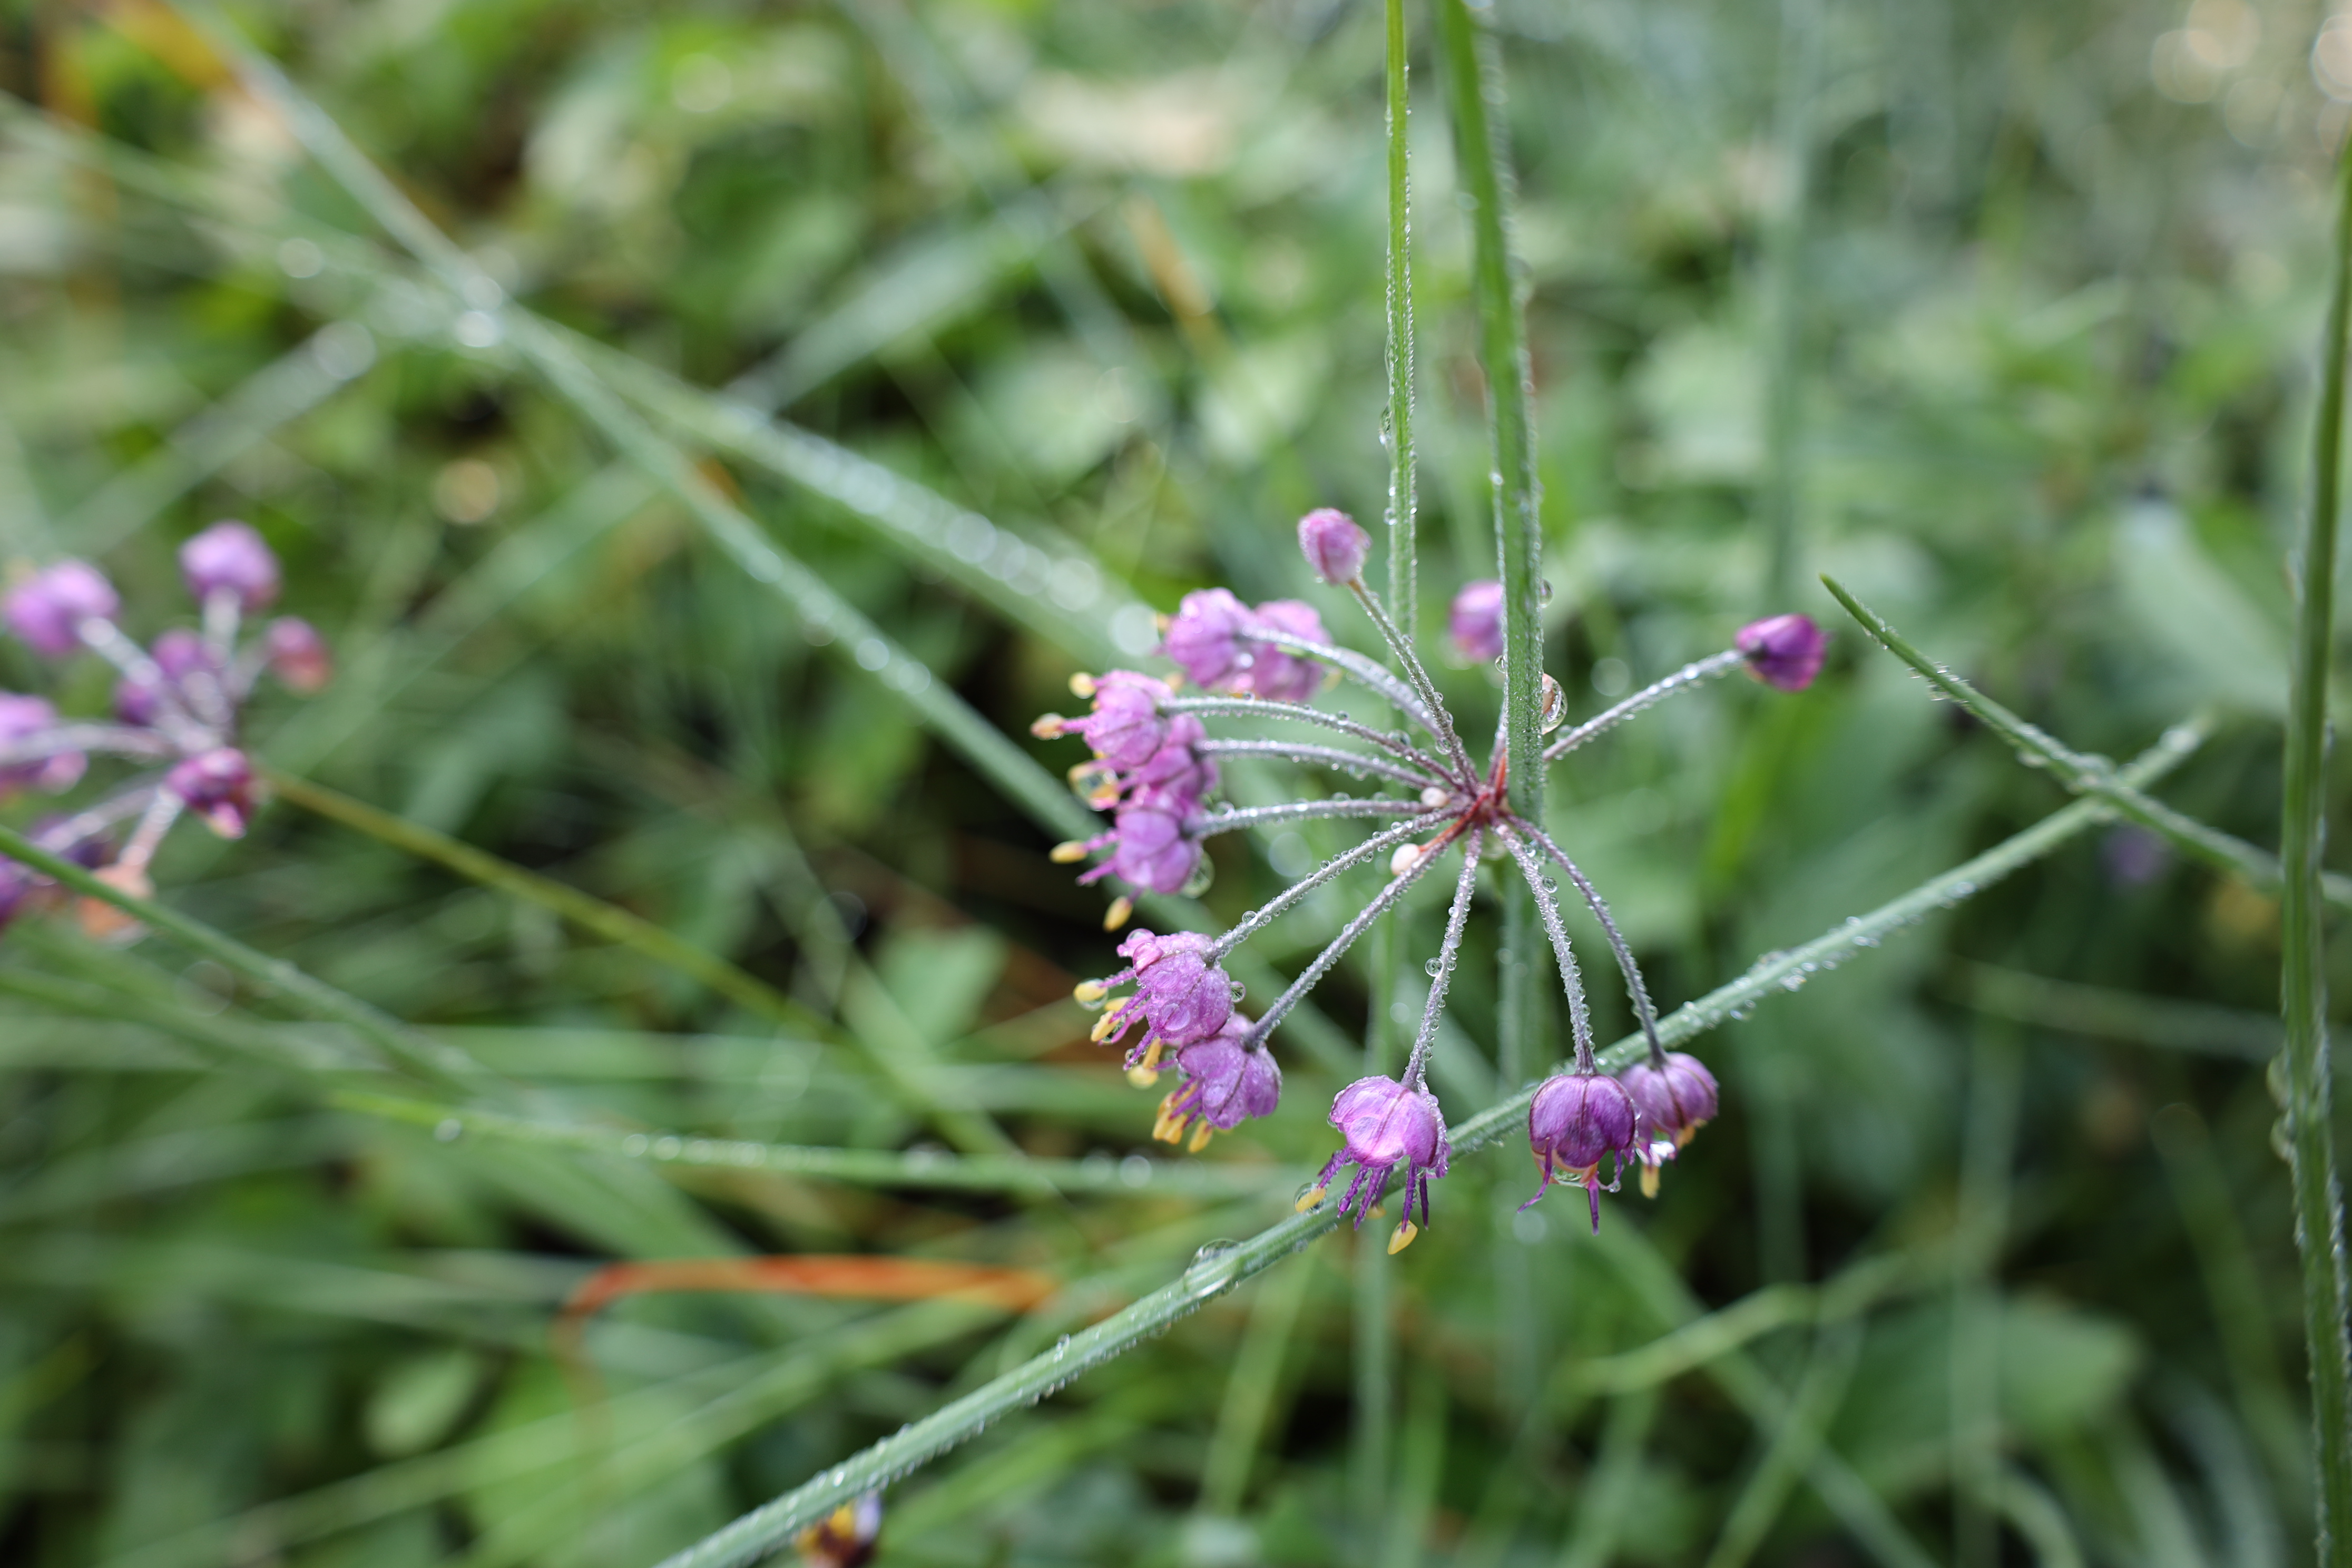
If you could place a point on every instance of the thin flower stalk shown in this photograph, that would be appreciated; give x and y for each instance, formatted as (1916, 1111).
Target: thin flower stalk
(1617, 944)
(1580, 1010)
(1365, 672)
(1319, 756)
(1249, 925)
(1694, 674)
(1254, 708)
(1449, 953)
(1234, 818)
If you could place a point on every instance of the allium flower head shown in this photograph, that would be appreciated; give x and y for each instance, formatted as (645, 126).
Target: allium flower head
(1575, 1120)
(1333, 545)
(1783, 651)
(47, 609)
(1383, 1124)
(1226, 1081)
(1205, 639)
(1475, 622)
(23, 721)
(229, 557)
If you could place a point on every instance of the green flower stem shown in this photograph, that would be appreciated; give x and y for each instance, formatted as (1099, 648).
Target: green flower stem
(1404, 588)
(853, 1167)
(2087, 774)
(2302, 839)
(436, 1061)
(769, 1529)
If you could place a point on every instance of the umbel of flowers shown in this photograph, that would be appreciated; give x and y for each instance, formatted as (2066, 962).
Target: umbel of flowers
(176, 706)
(1154, 773)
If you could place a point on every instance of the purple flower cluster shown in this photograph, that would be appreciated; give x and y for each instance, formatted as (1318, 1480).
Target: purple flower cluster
(1155, 767)
(176, 707)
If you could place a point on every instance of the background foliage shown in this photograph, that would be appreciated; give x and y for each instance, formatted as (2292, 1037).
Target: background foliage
(2011, 310)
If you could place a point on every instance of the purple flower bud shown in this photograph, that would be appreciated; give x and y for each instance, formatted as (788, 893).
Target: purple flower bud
(1475, 622)
(1126, 727)
(1576, 1118)
(1677, 1100)
(1180, 995)
(1382, 1124)
(48, 607)
(298, 654)
(1784, 651)
(1333, 545)
(230, 557)
(1277, 674)
(1225, 1082)
(217, 786)
(1205, 639)
(23, 720)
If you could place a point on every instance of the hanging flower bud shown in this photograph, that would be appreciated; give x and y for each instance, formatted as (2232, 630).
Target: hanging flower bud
(1275, 673)
(1205, 639)
(47, 609)
(1334, 545)
(23, 721)
(1474, 621)
(1784, 651)
(1181, 995)
(1126, 726)
(1224, 1082)
(1382, 1124)
(1150, 842)
(1575, 1119)
(1675, 1100)
(298, 654)
(230, 558)
(217, 786)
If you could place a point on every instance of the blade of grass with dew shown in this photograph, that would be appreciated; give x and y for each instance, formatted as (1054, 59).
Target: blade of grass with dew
(2087, 775)
(2302, 839)
(767, 1530)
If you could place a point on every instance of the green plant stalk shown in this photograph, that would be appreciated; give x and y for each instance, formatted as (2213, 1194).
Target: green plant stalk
(1474, 79)
(2088, 774)
(1404, 588)
(855, 1167)
(1785, 280)
(769, 1529)
(2303, 983)
(436, 1061)
(590, 913)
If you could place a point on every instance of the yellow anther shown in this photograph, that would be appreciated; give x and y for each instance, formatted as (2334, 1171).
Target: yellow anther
(1105, 1025)
(1152, 1050)
(1090, 992)
(1401, 1238)
(1307, 1200)
(1047, 726)
(1201, 1135)
(1115, 916)
(1069, 851)
(1082, 685)
(1649, 1180)
(1142, 1077)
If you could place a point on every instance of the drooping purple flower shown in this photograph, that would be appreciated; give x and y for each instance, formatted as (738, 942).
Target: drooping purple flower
(1205, 638)
(1276, 674)
(217, 786)
(23, 721)
(1224, 1082)
(1333, 545)
(1676, 1101)
(230, 557)
(298, 654)
(1182, 995)
(1150, 842)
(1474, 621)
(1575, 1119)
(47, 609)
(1127, 725)
(1783, 651)
(1177, 774)
(1383, 1124)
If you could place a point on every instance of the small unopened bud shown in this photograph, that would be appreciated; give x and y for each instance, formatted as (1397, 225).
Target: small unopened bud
(1070, 852)
(1333, 545)
(1047, 726)
(1433, 797)
(230, 558)
(1406, 858)
(1082, 685)
(1784, 651)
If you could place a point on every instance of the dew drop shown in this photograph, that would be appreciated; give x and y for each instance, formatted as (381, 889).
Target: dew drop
(1432, 968)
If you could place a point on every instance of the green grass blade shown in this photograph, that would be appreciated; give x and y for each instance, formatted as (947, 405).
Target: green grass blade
(1403, 586)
